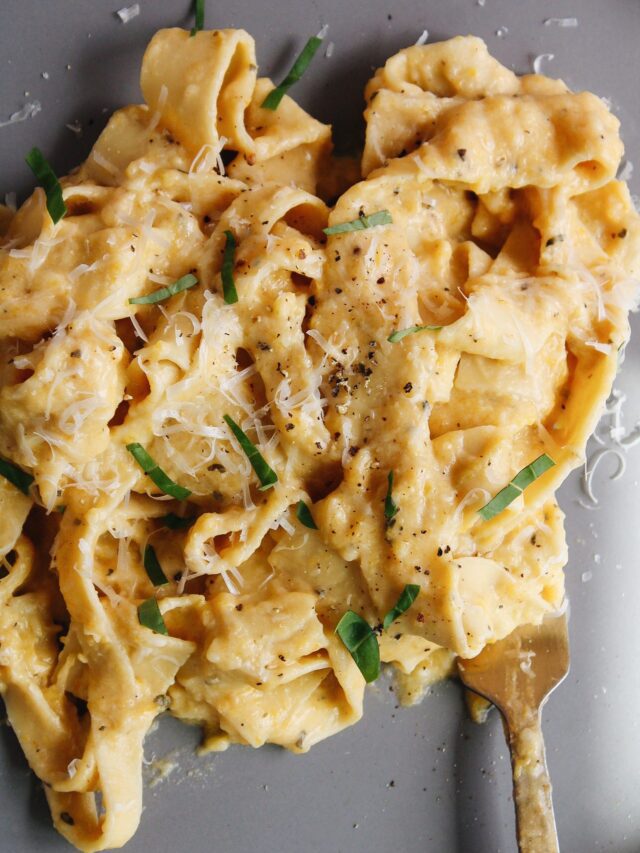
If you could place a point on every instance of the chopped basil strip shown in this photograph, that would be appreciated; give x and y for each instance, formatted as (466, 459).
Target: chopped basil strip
(303, 514)
(20, 479)
(177, 522)
(394, 337)
(149, 615)
(46, 177)
(265, 474)
(499, 502)
(228, 260)
(362, 644)
(407, 597)
(156, 474)
(153, 568)
(198, 8)
(272, 101)
(534, 470)
(382, 217)
(167, 292)
(515, 488)
(390, 506)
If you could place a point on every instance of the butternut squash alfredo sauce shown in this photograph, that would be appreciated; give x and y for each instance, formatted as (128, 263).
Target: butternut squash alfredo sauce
(231, 413)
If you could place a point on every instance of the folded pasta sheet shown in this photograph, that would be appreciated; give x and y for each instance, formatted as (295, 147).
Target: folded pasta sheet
(230, 413)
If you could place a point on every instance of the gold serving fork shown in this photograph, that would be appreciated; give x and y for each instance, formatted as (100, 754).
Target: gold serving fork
(517, 674)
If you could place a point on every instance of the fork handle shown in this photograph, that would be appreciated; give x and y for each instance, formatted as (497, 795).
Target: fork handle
(531, 787)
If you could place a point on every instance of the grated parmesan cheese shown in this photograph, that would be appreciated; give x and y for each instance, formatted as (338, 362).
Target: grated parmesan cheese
(542, 57)
(72, 767)
(331, 350)
(25, 449)
(590, 469)
(346, 441)
(138, 329)
(224, 574)
(600, 347)
(145, 227)
(268, 578)
(66, 318)
(308, 399)
(202, 161)
(281, 546)
(283, 522)
(23, 363)
(190, 318)
(185, 421)
(30, 109)
(105, 164)
(160, 279)
(81, 269)
(246, 498)
(109, 592)
(36, 254)
(73, 417)
(128, 13)
(561, 22)
(471, 496)
(162, 100)
(145, 167)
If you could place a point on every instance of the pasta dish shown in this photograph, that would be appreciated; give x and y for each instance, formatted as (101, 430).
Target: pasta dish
(271, 416)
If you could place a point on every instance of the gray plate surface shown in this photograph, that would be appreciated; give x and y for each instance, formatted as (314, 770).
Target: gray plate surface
(423, 779)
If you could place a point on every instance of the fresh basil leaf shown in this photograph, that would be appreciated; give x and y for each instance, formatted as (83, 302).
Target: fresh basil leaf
(198, 9)
(381, 217)
(156, 474)
(150, 617)
(390, 506)
(46, 177)
(394, 337)
(362, 644)
(177, 522)
(19, 478)
(264, 473)
(272, 101)
(167, 292)
(515, 488)
(153, 568)
(228, 260)
(532, 471)
(303, 514)
(404, 602)
(499, 502)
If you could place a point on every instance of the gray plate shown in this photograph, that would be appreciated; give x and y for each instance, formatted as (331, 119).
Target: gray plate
(416, 780)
